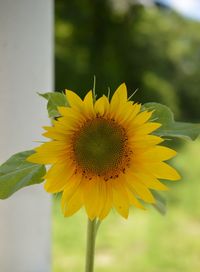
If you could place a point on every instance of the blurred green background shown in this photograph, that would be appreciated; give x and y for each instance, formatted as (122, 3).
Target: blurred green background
(157, 51)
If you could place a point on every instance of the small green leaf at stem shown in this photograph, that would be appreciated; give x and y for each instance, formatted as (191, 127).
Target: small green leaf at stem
(17, 173)
(55, 100)
(170, 127)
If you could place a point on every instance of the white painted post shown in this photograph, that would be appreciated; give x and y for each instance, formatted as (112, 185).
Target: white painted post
(26, 66)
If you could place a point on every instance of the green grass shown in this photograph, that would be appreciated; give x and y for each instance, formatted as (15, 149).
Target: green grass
(146, 241)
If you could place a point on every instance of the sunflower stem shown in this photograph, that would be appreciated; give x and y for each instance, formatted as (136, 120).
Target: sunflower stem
(90, 250)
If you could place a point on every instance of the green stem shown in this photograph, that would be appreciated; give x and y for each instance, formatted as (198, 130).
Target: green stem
(91, 236)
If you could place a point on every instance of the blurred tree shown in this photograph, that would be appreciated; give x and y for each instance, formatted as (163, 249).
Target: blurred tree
(152, 49)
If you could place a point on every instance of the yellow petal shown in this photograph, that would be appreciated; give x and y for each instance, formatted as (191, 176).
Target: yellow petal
(144, 129)
(129, 115)
(140, 189)
(120, 198)
(74, 100)
(123, 112)
(53, 133)
(120, 94)
(142, 117)
(66, 124)
(118, 98)
(133, 200)
(158, 153)
(42, 158)
(58, 176)
(70, 114)
(151, 182)
(102, 105)
(107, 198)
(70, 188)
(89, 104)
(91, 196)
(135, 110)
(65, 111)
(51, 148)
(163, 171)
(74, 203)
(145, 141)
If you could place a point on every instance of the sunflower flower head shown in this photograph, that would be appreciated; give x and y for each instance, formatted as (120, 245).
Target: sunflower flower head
(103, 155)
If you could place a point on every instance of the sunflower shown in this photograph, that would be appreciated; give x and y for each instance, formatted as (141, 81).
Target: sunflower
(103, 155)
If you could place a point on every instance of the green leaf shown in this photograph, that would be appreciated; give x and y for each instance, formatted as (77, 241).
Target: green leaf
(160, 204)
(17, 173)
(55, 100)
(171, 128)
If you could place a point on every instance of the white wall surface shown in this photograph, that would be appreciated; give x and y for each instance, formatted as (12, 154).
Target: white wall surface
(26, 67)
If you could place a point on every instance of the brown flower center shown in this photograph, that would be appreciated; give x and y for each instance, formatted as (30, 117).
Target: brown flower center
(100, 148)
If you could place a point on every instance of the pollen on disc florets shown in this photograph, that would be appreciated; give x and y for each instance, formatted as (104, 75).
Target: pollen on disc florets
(100, 148)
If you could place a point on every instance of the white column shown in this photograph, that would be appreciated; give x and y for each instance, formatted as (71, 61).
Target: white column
(26, 67)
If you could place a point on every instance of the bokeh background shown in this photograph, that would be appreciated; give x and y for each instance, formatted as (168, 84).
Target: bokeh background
(153, 46)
